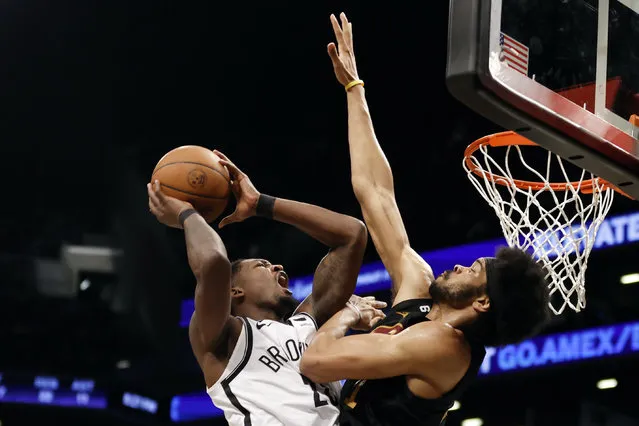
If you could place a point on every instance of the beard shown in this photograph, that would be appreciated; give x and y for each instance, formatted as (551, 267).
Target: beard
(456, 296)
(285, 306)
(438, 292)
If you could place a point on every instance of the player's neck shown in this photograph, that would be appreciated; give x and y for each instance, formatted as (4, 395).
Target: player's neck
(257, 313)
(457, 318)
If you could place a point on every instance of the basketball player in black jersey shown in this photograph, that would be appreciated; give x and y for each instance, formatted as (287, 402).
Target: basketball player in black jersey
(421, 357)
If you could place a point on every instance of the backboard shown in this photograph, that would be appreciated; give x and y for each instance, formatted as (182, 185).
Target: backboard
(564, 74)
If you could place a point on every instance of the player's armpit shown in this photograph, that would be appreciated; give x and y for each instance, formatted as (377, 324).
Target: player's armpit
(427, 350)
(416, 277)
(212, 356)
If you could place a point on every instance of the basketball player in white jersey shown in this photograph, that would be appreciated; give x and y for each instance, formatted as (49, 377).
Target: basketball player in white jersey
(248, 333)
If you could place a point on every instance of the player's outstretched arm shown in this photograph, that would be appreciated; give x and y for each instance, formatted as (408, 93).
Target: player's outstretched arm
(372, 178)
(209, 263)
(336, 275)
(431, 350)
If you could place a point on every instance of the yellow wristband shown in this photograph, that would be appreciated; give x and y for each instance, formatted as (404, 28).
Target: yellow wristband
(353, 84)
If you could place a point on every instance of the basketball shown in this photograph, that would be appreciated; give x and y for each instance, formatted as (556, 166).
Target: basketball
(194, 174)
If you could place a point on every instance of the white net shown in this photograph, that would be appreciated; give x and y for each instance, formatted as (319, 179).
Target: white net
(558, 227)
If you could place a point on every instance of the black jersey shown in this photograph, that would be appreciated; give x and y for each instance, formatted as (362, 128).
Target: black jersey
(389, 402)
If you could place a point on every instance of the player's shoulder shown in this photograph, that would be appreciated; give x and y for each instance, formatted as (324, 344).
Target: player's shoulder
(439, 329)
(439, 353)
(302, 319)
(297, 320)
(213, 359)
(443, 337)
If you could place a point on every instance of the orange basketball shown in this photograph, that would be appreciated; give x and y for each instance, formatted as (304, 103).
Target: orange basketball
(194, 174)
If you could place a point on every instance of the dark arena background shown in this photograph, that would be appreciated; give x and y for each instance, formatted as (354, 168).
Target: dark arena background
(94, 292)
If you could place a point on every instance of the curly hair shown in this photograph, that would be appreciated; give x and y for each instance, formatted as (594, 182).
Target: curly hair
(518, 293)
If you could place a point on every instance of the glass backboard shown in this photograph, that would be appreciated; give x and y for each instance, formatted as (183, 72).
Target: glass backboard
(584, 50)
(565, 73)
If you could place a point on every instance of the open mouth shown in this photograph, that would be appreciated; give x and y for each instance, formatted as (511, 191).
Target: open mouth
(282, 279)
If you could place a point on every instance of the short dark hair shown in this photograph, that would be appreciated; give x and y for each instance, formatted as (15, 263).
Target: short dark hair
(236, 266)
(518, 293)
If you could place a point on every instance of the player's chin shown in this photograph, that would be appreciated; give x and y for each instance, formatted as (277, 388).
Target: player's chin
(290, 299)
(287, 304)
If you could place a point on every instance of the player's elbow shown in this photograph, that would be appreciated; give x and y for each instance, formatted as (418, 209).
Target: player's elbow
(313, 367)
(371, 192)
(369, 183)
(363, 186)
(361, 182)
(358, 235)
(307, 364)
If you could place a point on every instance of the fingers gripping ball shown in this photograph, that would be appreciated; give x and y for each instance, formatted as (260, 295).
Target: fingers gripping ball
(194, 174)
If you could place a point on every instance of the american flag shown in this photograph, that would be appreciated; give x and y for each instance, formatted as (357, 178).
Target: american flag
(514, 53)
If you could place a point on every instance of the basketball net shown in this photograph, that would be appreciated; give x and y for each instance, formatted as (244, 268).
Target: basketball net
(554, 220)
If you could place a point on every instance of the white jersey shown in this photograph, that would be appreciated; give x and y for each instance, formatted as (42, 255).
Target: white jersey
(262, 384)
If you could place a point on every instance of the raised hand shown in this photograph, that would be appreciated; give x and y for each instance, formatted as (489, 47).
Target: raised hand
(246, 196)
(166, 209)
(368, 310)
(342, 55)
